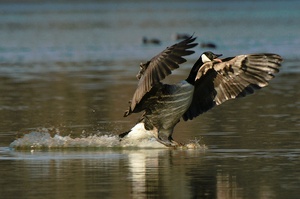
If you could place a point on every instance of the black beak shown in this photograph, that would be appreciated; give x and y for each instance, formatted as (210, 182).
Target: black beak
(217, 55)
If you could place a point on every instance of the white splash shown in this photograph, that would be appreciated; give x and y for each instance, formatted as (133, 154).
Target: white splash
(138, 137)
(45, 140)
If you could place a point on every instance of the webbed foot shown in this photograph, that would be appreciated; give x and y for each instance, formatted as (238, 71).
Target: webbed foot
(169, 142)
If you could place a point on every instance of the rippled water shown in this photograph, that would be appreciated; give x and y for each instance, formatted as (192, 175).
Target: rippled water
(68, 69)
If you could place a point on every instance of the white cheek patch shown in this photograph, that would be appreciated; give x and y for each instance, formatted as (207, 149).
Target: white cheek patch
(205, 58)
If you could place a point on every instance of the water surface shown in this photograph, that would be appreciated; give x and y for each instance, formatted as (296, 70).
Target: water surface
(67, 71)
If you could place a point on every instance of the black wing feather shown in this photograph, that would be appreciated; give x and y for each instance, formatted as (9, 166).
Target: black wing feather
(159, 67)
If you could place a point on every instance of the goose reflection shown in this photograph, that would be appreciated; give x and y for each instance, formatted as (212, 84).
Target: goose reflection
(140, 162)
(166, 173)
(160, 172)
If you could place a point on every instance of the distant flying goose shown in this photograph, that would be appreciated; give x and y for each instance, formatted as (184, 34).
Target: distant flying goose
(211, 82)
(180, 36)
(208, 45)
(151, 41)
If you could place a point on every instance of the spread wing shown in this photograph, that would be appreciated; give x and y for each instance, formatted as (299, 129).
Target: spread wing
(159, 67)
(232, 78)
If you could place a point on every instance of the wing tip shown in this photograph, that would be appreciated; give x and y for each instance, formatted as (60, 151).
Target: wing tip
(127, 112)
(188, 41)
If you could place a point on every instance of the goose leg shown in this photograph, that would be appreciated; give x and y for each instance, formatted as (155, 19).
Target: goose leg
(165, 137)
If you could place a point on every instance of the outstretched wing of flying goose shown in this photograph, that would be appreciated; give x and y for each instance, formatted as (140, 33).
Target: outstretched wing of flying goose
(159, 67)
(217, 82)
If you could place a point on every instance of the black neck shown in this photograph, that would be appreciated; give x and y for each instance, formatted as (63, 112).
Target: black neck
(194, 71)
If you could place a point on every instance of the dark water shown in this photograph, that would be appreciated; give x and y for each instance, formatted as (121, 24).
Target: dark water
(68, 69)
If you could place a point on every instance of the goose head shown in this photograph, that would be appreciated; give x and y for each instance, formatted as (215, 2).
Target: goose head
(205, 57)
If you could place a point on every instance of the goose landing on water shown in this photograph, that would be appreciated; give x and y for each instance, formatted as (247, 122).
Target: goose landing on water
(211, 82)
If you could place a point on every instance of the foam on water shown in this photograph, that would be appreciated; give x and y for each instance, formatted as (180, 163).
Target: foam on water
(137, 138)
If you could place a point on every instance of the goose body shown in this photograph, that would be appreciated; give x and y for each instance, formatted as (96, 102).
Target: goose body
(164, 107)
(211, 82)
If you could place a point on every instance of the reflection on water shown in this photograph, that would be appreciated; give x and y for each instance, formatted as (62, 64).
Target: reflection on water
(150, 173)
(67, 70)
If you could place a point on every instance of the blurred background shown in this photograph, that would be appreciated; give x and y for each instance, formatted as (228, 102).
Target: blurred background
(69, 67)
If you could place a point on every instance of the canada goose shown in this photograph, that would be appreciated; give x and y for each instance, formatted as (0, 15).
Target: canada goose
(208, 45)
(180, 36)
(211, 82)
(151, 41)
